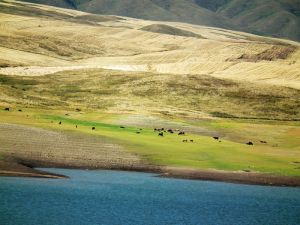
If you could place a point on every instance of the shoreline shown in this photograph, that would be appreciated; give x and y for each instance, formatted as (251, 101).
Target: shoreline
(238, 177)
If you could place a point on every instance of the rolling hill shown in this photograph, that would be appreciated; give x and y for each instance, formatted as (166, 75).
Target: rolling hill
(264, 17)
(90, 89)
(216, 71)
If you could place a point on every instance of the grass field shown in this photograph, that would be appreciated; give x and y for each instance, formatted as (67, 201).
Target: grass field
(278, 156)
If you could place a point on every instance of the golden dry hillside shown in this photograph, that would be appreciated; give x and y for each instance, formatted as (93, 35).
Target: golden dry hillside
(38, 40)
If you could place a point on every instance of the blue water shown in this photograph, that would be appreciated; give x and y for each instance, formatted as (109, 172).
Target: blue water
(113, 197)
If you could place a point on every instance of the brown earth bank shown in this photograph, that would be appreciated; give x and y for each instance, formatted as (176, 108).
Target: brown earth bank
(25, 169)
(232, 177)
(14, 169)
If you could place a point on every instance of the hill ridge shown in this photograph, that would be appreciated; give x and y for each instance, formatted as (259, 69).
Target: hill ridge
(264, 17)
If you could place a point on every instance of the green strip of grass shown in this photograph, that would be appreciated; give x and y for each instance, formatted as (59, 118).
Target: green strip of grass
(204, 153)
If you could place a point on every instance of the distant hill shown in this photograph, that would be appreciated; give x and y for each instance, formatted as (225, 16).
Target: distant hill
(279, 18)
(266, 17)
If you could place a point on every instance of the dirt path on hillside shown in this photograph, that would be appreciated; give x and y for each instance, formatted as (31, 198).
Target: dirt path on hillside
(34, 71)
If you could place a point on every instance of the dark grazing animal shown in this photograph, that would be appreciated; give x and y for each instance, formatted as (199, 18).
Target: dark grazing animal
(59, 123)
(185, 140)
(159, 129)
(170, 131)
(191, 140)
(93, 128)
(122, 127)
(263, 142)
(6, 109)
(161, 134)
(20, 110)
(181, 133)
(250, 143)
(138, 132)
(216, 138)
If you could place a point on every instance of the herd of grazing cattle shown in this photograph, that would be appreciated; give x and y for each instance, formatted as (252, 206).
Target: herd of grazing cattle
(160, 131)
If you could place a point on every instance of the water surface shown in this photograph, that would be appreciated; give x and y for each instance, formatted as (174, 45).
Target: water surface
(114, 197)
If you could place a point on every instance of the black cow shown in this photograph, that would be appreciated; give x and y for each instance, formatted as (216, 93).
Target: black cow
(6, 109)
(216, 138)
(250, 143)
(59, 123)
(161, 134)
(170, 131)
(93, 128)
(185, 140)
(181, 133)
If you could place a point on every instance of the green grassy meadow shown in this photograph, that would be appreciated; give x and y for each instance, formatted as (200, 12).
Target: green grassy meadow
(279, 156)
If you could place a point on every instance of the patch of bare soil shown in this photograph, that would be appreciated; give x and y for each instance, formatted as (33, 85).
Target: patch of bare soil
(37, 147)
(275, 53)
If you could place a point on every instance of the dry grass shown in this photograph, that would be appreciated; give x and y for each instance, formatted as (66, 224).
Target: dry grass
(166, 94)
(50, 37)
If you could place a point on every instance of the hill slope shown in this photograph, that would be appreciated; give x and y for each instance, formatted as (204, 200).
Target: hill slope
(182, 68)
(117, 78)
(265, 17)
